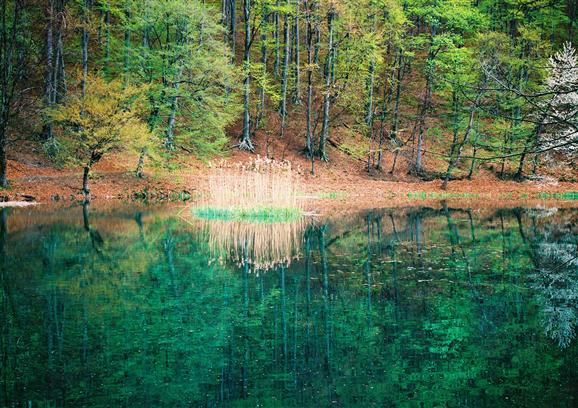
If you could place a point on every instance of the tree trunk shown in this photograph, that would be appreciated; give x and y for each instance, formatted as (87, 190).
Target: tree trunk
(127, 48)
(369, 111)
(572, 9)
(225, 18)
(475, 150)
(85, 188)
(285, 73)
(426, 105)
(309, 108)
(84, 44)
(455, 125)
(107, 41)
(170, 135)
(387, 95)
(3, 161)
(59, 83)
(395, 117)
(421, 125)
(261, 106)
(49, 71)
(246, 138)
(276, 23)
(233, 25)
(531, 141)
(321, 152)
(11, 73)
(140, 166)
(454, 159)
(297, 95)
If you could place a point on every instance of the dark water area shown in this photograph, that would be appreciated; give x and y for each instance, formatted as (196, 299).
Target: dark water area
(411, 307)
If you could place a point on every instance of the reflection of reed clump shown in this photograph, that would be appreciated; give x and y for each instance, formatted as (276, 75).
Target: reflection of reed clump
(261, 182)
(261, 245)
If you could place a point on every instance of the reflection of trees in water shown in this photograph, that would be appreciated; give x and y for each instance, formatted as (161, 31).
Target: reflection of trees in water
(382, 302)
(555, 255)
(548, 237)
(263, 245)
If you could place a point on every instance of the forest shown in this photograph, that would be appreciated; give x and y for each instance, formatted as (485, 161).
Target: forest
(437, 89)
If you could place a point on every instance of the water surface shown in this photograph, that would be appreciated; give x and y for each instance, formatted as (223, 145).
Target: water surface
(387, 308)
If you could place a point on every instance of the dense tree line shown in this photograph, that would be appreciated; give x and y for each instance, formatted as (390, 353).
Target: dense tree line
(461, 81)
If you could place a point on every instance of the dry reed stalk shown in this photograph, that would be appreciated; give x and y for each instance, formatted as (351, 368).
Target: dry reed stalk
(261, 182)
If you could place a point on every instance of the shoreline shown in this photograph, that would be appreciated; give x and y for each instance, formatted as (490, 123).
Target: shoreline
(335, 185)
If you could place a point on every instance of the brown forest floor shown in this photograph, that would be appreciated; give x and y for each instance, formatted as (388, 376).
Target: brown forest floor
(342, 182)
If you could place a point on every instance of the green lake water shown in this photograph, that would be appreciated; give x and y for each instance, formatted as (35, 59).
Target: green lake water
(411, 307)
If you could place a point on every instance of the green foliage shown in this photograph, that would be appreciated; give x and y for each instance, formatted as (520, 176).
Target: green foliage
(106, 120)
(188, 71)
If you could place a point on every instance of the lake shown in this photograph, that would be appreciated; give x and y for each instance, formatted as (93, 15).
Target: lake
(404, 307)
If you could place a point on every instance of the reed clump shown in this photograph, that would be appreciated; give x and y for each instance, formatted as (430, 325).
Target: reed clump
(262, 189)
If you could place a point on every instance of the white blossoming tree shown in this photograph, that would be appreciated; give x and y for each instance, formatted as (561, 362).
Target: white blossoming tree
(560, 111)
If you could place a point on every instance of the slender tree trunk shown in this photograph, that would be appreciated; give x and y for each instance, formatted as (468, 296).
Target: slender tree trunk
(285, 73)
(246, 138)
(277, 29)
(59, 87)
(296, 39)
(311, 5)
(127, 47)
(233, 25)
(426, 105)
(140, 165)
(321, 152)
(421, 125)
(529, 143)
(170, 136)
(454, 158)
(85, 188)
(532, 141)
(387, 95)
(369, 111)
(261, 106)
(49, 71)
(107, 40)
(455, 125)
(85, 38)
(395, 117)
(11, 73)
(225, 19)
(475, 150)
(3, 160)
(572, 11)
(152, 121)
